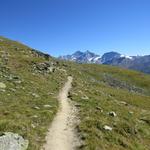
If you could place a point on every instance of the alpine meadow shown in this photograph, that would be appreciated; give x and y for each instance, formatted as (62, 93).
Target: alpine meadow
(75, 75)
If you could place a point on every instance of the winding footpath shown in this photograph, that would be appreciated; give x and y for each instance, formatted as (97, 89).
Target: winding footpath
(61, 135)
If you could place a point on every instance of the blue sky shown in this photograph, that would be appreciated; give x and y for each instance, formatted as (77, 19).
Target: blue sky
(61, 27)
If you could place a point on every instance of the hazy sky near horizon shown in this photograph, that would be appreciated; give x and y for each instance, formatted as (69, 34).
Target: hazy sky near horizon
(61, 27)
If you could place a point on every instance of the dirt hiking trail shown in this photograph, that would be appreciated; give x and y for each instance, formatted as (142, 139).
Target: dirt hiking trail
(61, 135)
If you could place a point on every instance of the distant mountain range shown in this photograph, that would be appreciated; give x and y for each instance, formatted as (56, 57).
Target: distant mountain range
(139, 63)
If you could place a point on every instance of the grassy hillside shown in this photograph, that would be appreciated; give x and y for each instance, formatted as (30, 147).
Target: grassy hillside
(120, 99)
(104, 96)
(28, 103)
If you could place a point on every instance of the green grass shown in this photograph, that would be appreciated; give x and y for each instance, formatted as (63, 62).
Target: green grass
(19, 103)
(129, 130)
(108, 89)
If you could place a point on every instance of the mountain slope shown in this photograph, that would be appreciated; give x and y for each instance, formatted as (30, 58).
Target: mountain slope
(113, 104)
(110, 56)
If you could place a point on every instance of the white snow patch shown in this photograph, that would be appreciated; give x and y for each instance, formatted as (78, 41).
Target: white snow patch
(90, 59)
(125, 56)
(73, 58)
(95, 59)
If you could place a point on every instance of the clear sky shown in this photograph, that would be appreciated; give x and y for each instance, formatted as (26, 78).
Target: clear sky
(61, 27)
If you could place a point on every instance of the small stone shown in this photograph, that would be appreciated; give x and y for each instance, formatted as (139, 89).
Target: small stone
(99, 108)
(112, 113)
(36, 107)
(85, 97)
(75, 94)
(2, 85)
(124, 103)
(18, 81)
(50, 93)
(108, 128)
(130, 112)
(78, 105)
(35, 116)
(33, 126)
(51, 69)
(47, 106)
(35, 95)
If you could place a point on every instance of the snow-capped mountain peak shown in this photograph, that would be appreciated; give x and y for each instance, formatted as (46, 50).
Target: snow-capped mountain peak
(82, 57)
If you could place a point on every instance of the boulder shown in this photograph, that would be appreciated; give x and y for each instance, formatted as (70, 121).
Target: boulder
(12, 141)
